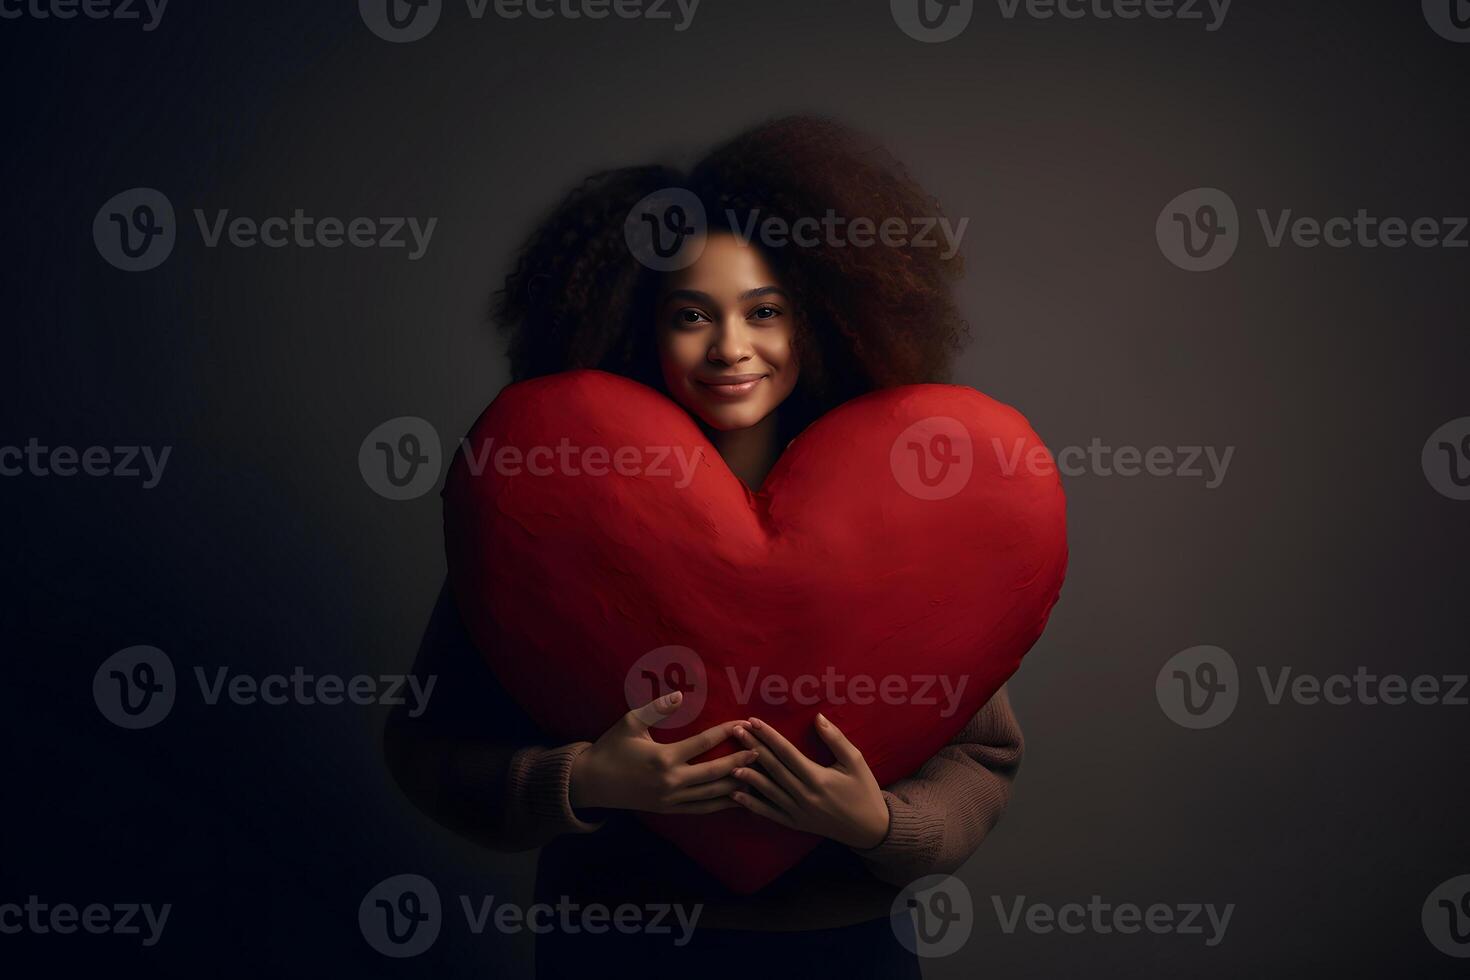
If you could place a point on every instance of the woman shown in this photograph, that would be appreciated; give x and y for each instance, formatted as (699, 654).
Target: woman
(755, 340)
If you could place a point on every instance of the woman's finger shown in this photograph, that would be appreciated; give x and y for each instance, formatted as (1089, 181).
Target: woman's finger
(789, 754)
(696, 745)
(847, 754)
(770, 763)
(760, 781)
(644, 717)
(716, 768)
(704, 791)
(761, 808)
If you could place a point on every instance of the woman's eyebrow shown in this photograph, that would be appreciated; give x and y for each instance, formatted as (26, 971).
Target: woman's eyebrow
(693, 295)
(762, 291)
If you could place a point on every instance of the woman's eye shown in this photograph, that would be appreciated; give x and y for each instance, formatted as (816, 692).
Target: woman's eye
(765, 312)
(686, 317)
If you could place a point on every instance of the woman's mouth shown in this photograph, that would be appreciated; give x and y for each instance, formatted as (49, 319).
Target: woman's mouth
(731, 385)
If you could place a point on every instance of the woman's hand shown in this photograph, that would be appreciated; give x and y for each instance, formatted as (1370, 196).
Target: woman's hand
(626, 769)
(841, 801)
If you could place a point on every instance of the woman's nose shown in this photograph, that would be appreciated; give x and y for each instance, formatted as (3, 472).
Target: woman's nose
(733, 343)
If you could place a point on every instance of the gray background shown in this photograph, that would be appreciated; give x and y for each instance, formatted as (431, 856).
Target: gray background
(1324, 549)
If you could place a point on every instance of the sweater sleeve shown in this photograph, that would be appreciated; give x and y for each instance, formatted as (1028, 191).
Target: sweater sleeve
(938, 816)
(471, 759)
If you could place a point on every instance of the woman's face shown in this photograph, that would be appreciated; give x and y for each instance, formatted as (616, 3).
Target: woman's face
(725, 331)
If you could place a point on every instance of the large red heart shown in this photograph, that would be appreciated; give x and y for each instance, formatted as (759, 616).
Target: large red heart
(913, 533)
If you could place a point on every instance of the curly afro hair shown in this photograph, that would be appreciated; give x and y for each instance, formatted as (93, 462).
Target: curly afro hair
(868, 317)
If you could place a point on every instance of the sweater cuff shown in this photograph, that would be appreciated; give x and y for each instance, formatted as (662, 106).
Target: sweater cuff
(541, 779)
(914, 834)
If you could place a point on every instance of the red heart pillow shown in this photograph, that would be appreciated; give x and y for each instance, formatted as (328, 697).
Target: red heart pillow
(898, 562)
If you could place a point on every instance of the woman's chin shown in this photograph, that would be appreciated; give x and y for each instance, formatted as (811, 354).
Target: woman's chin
(728, 418)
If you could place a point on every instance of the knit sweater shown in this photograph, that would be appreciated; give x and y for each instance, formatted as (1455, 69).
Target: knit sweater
(474, 762)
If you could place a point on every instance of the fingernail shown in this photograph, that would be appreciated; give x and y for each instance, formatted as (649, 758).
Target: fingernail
(752, 756)
(755, 723)
(675, 698)
(822, 720)
(741, 733)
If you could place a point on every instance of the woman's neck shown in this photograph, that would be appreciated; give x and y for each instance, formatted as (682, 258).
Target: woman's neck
(750, 453)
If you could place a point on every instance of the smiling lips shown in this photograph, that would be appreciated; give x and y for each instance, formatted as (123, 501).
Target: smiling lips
(732, 385)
